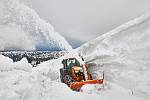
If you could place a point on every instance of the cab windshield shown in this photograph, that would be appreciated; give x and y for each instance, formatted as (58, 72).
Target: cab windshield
(72, 62)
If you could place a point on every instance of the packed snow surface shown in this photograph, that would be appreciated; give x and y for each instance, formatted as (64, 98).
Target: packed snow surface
(123, 55)
(21, 28)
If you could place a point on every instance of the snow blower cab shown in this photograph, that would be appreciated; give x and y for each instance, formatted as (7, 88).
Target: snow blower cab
(75, 75)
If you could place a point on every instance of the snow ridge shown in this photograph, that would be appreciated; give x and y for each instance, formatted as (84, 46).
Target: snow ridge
(14, 13)
(121, 30)
(123, 54)
(139, 20)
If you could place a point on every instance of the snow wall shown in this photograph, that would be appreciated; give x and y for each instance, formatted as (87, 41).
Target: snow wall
(123, 54)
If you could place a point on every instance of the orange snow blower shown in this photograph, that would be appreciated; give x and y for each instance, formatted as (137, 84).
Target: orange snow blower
(76, 75)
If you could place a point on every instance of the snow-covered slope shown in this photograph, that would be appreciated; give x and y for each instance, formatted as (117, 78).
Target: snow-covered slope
(19, 81)
(35, 32)
(123, 54)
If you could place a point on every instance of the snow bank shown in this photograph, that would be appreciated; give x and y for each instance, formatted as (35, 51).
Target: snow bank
(123, 54)
(22, 82)
(23, 65)
(5, 63)
(33, 31)
(16, 84)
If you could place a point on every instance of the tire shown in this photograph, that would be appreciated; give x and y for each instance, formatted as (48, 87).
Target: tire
(68, 79)
(61, 75)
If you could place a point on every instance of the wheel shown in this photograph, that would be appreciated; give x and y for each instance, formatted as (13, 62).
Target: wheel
(68, 79)
(61, 75)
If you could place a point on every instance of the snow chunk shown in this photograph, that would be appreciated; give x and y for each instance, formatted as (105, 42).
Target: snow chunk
(5, 63)
(23, 65)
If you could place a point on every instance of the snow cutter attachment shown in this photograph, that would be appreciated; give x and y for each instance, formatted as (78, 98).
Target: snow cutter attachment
(76, 75)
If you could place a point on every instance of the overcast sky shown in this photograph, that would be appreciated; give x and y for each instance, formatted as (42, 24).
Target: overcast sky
(83, 20)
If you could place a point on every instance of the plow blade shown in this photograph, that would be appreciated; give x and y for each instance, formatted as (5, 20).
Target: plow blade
(78, 85)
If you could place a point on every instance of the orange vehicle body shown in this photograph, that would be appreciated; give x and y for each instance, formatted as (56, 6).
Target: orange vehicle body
(73, 74)
(78, 85)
